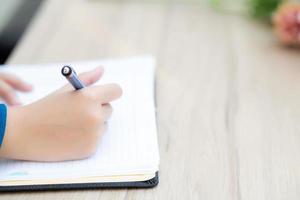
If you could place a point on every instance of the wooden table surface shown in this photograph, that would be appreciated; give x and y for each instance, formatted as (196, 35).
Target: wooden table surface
(228, 95)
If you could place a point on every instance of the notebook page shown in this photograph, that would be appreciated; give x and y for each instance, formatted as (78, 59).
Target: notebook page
(130, 144)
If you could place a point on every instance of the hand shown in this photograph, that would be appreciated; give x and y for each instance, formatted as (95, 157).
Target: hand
(8, 86)
(65, 125)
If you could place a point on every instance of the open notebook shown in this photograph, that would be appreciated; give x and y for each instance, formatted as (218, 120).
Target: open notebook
(128, 152)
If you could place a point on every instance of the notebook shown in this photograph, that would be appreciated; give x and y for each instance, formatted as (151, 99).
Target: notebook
(127, 155)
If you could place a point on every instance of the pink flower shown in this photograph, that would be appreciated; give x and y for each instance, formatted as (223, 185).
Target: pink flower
(287, 23)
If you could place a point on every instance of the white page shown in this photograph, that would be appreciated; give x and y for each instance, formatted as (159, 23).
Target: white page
(130, 144)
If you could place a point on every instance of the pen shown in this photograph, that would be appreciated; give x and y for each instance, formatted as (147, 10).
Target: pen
(72, 77)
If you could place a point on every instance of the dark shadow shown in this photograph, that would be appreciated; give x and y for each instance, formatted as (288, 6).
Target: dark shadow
(16, 26)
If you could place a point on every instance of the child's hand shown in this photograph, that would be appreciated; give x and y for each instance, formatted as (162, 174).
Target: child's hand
(65, 125)
(8, 86)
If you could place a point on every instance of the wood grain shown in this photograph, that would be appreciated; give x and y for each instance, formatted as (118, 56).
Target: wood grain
(227, 93)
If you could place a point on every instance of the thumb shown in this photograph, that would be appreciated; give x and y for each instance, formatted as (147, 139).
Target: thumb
(90, 77)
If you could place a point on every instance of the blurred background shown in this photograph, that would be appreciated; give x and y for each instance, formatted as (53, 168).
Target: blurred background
(15, 16)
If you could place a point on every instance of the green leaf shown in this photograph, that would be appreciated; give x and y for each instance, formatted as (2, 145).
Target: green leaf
(215, 3)
(263, 9)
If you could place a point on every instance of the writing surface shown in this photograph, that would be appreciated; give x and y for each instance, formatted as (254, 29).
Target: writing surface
(130, 144)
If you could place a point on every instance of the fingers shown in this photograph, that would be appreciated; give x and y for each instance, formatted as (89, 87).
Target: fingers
(16, 82)
(90, 77)
(106, 111)
(8, 84)
(104, 127)
(106, 93)
(8, 94)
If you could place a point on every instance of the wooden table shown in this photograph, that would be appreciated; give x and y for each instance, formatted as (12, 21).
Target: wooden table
(228, 95)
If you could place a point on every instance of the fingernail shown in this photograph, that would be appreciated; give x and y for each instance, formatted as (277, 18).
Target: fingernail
(29, 87)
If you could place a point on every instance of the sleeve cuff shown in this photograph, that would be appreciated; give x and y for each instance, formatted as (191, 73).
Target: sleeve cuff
(3, 115)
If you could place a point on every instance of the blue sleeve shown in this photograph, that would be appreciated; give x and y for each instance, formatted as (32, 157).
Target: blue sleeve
(3, 114)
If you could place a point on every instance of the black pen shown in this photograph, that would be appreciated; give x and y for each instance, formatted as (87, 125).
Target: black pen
(72, 77)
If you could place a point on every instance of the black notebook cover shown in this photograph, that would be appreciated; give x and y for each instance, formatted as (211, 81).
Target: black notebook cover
(113, 185)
